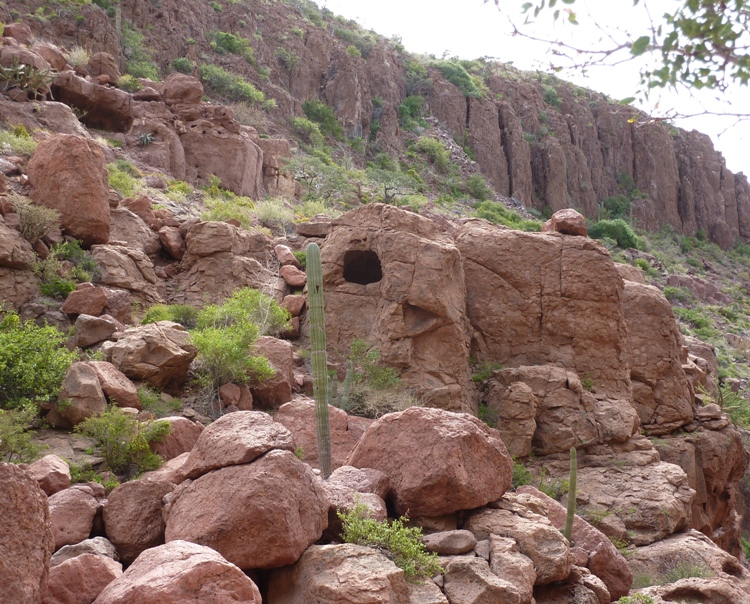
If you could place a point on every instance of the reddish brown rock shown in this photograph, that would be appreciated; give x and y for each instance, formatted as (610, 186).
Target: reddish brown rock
(80, 395)
(85, 300)
(18, 31)
(91, 330)
(276, 390)
(72, 514)
(294, 304)
(318, 228)
(127, 268)
(171, 471)
(450, 543)
(236, 438)
(630, 273)
(299, 417)
(183, 434)
(103, 63)
(128, 227)
(26, 538)
(272, 510)
(567, 222)
(344, 499)
(81, 579)
(172, 242)
(15, 251)
(180, 573)
(180, 89)
(132, 517)
(285, 256)
(293, 276)
(106, 107)
(119, 305)
(69, 174)
(52, 474)
(508, 563)
(98, 546)
(468, 580)
(406, 446)
(118, 389)
(50, 53)
(364, 480)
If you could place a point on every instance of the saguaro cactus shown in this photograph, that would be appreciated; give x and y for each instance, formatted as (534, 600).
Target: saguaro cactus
(568, 532)
(318, 356)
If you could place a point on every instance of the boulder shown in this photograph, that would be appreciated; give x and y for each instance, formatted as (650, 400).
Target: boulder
(86, 299)
(19, 32)
(171, 471)
(298, 416)
(516, 409)
(343, 499)
(159, 353)
(126, 226)
(408, 447)
(450, 543)
(106, 108)
(277, 181)
(293, 276)
(567, 222)
(365, 480)
(52, 474)
(508, 563)
(18, 286)
(234, 439)
(81, 579)
(98, 546)
(258, 515)
(127, 268)
(294, 304)
(603, 559)
(103, 63)
(581, 587)
(118, 389)
(132, 517)
(119, 305)
(91, 330)
(15, 251)
(384, 278)
(26, 538)
(180, 573)
(560, 299)
(183, 434)
(277, 390)
(469, 580)
(181, 89)
(69, 174)
(339, 573)
(72, 514)
(661, 392)
(285, 256)
(630, 273)
(172, 242)
(80, 395)
(514, 516)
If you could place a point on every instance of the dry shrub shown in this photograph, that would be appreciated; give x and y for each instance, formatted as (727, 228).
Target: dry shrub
(34, 221)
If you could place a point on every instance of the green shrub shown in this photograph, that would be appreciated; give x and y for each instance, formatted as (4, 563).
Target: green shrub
(399, 543)
(457, 75)
(274, 213)
(436, 152)
(57, 287)
(617, 229)
(549, 94)
(185, 315)
(309, 131)
(636, 599)
(85, 266)
(33, 362)
(152, 401)
(301, 257)
(237, 45)
(232, 86)
(478, 188)
(183, 65)
(646, 267)
(19, 144)
(410, 113)
(353, 52)
(365, 359)
(85, 472)
(418, 81)
(521, 475)
(123, 177)
(323, 115)
(497, 213)
(362, 41)
(615, 207)
(15, 436)
(138, 60)
(123, 441)
(736, 406)
(484, 371)
(34, 221)
(686, 569)
(696, 318)
(129, 83)
(288, 58)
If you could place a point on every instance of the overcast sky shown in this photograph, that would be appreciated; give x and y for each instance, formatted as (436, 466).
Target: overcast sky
(472, 29)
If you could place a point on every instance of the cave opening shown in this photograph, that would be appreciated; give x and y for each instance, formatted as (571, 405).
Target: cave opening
(362, 266)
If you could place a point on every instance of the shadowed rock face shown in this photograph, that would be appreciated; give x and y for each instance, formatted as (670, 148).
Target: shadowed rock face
(396, 280)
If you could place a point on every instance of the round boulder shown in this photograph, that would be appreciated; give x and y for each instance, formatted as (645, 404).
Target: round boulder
(438, 462)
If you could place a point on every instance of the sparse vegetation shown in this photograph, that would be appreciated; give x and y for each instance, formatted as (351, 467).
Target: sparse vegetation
(18, 140)
(15, 436)
(320, 113)
(138, 60)
(497, 213)
(222, 41)
(124, 177)
(232, 86)
(34, 221)
(617, 229)
(436, 152)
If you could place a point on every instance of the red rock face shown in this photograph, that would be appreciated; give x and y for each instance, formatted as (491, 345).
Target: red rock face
(26, 537)
(69, 174)
(411, 447)
(80, 579)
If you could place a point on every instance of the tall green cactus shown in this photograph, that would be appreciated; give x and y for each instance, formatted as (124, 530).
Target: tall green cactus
(568, 532)
(316, 312)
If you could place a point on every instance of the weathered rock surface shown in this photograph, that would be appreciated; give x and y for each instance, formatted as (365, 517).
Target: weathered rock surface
(71, 513)
(81, 579)
(183, 434)
(366, 480)
(128, 227)
(118, 389)
(98, 546)
(180, 573)
(92, 330)
(234, 439)
(69, 174)
(127, 268)
(450, 543)
(468, 580)
(159, 353)
(52, 474)
(18, 284)
(26, 539)
(80, 395)
(567, 222)
(85, 300)
(407, 447)
(508, 563)
(339, 573)
(383, 274)
(660, 389)
(105, 107)
(133, 519)
(271, 511)
(276, 390)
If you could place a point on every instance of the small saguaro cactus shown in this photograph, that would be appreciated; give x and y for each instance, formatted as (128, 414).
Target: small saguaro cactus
(318, 356)
(341, 402)
(568, 532)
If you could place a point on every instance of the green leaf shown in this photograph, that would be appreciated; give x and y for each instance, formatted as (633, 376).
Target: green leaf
(640, 46)
(627, 101)
(568, 1)
(552, 3)
(526, 6)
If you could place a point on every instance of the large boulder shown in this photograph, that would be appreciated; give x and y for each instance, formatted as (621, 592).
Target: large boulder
(410, 447)
(81, 579)
(183, 434)
(234, 439)
(69, 174)
(180, 573)
(126, 226)
(80, 396)
(181, 89)
(105, 107)
(18, 283)
(118, 389)
(86, 299)
(276, 390)
(72, 514)
(127, 268)
(258, 515)
(98, 546)
(469, 580)
(396, 280)
(92, 330)
(508, 563)
(339, 573)
(52, 474)
(158, 353)
(660, 388)
(26, 539)
(132, 517)
(559, 299)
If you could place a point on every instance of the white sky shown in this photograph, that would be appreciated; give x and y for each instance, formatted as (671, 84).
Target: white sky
(472, 29)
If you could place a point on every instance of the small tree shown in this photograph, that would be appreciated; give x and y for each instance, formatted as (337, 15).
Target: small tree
(392, 185)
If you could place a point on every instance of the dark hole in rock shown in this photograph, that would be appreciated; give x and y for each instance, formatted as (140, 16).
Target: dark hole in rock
(362, 266)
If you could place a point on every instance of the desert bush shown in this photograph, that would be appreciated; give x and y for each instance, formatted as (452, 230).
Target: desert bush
(320, 113)
(151, 400)
(353, 52)
(247, 304)
(123, 441)
(436, 152)
(249, 115)
(477, 187)
(178, 190)
(288, 58)
(309, 131)
(410, 113)
(18, 140)
(521, 475)
(617, 229)
(183, 65)
(138, 60)
(398, 542)
(129, 83)
(85, 472)
(549, 95)
(362, 41)
(123, 177)
(78, 56)
(365, 359)
(232, 86)
(34, 221)
(224, 41)
(694, 317)
(33, 362)
(15, 436)
(185, 315)
(636, 599)
(275, 214)
(497, 213)
(418, 81)
(457, 75)
(85, 267)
